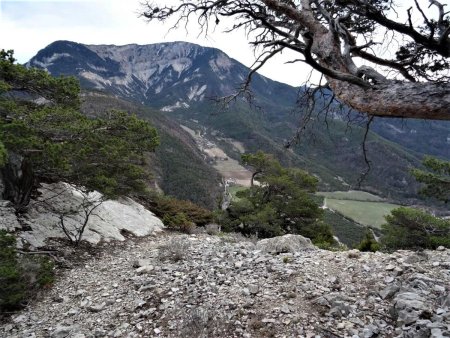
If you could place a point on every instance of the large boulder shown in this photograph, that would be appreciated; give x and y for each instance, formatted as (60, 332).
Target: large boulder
(107, 222)
(286, 243)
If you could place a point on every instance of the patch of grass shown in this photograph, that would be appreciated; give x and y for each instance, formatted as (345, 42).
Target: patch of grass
(354, 195)
(365, 213)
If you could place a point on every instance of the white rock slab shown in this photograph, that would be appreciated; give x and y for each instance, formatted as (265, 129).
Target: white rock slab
(105, 223)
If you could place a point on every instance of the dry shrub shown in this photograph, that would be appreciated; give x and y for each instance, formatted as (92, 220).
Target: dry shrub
(175, 250)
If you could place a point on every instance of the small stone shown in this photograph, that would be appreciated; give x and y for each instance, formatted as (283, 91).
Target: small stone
(389, 279)
(435, 264)
(141, 262)
(157, 331)
(139, 303)
(268, 320)
(73, 312)
(61, 331)
(440, 248)
(144, 269)
(321, 301)
(80, 293)
(20, 319)
(398, 271)
(437, 333)
(254, 289)
(390, 267)
(440, 311)
(285, 309)
(96, 308)
(370, 331)
(389, 291)
(439, 288)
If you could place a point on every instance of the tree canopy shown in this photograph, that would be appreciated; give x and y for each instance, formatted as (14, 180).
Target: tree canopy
(280, 202)
(44, 137)
(408, 228)
(382, 57)
(436, 179)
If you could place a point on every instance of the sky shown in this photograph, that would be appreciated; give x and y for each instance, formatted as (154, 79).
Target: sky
(29, 25)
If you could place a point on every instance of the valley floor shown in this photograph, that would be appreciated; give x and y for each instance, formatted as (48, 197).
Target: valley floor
(220, 287)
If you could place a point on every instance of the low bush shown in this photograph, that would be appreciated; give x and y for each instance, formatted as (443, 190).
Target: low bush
(368, 243)
(178, 221)
(12, 287)
(174, 250)
(20, 276)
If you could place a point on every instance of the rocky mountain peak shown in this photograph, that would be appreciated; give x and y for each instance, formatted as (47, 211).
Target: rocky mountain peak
(164, 74)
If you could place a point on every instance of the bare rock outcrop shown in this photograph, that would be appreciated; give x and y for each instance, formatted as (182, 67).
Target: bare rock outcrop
(106, 223)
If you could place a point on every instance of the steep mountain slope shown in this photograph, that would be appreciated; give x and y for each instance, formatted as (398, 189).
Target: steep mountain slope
(197, 182)
(179, 78)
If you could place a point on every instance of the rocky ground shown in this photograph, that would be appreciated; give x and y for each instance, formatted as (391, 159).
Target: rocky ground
(174, 285)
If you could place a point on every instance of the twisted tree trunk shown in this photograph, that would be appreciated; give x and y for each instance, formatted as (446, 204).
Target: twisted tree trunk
(18, 180)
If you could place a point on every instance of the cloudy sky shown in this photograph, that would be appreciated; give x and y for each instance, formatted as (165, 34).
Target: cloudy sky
(29, 25)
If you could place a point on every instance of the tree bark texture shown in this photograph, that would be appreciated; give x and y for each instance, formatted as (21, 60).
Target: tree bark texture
(18, 181)
(430, 101)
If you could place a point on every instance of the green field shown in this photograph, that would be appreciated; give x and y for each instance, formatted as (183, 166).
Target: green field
(363, 212)
(354, 195)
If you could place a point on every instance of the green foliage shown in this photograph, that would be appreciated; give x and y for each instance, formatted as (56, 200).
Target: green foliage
(3, 155)
(12, 288)
(45, 273)
(369, 243)
(436, 179)
(7, 55)
(20, 277)
(105, 154)
(286, 259)
(408, 228)
(38, 83)
(178, 221)
(281, 202)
